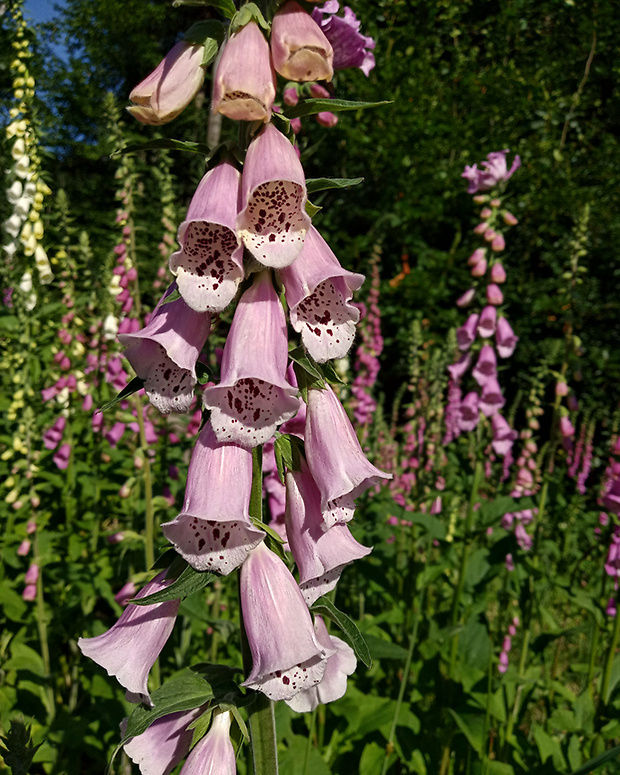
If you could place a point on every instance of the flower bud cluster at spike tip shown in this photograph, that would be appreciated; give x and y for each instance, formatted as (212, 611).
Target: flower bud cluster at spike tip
(495, 172)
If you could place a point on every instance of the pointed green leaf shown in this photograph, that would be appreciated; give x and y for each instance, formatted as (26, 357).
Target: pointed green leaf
(323, 184)
(330, 373)
(325, 607)
(165, 143)
(250, 12)
(188, 582)
(185, 692)
(137, 383)
(311, 209)
(314, 106)
(203, 374)
(225, 7)
(598, 761)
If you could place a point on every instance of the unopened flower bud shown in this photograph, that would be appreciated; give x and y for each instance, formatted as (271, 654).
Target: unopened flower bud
(245, 83)
(498, 273)
(291, 96)
(509, 219)
(170, 88)
(494, 294)
(327, 119)
(498, 243)
(561, 388)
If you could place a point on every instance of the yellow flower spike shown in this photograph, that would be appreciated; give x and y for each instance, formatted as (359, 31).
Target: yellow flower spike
(7, 454)
(18, 83)
(9, 482)
(18, 395)
(26, 231)
(30, 82)
(11, 415)
(30, 245)
(19, 94)
(38, 198)
(38, 229)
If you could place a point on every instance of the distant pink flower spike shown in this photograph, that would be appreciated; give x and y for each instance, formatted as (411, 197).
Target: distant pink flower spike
(503, 435)
(491, 398)
(214, 532)
(351, 48)
(273, 221)
(318, 292)
(487, 322)
(170, 88)
(253, 397)
(209, 265)
(466, 334)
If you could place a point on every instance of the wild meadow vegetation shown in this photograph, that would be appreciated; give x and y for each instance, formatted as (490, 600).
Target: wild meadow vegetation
(475, 184)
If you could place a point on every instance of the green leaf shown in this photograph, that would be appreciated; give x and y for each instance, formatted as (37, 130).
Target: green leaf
(307, 371)
(323, 184)
(472, 726)
(598, 761)
(162, 143)
(330, 373)
(225, 7)
(136, 384)
(18, 750)
(202, 33)
(314, 106)
(325, 607)
(203, 374)
(250, 12)
(185, 692)
(311, 209)
(384, 649)
(289, 451)
(189, 581)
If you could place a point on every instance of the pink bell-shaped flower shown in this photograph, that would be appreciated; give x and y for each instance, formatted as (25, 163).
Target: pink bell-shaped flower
(253, 397)
(320, 555)
(299, 48)
(209, 265)
(164, 353)
(273, 221)
(466, 298)
(318, 292)
(486, 365)
(287, 657)
(336, 460)
(244, 86)
(169, 89)
(487, 321)
(214, 532)
(466, 334)
(491, 398)
(159, 749)
(498, 273)
(334, 683)
(505, 338)
(470, 413)
(128, 650)
(351, 48)
(458, 369)
(494, 294)
(214, 754)
(503, 435)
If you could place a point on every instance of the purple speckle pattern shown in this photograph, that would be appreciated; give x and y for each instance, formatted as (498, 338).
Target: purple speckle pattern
(211, 545)
(207, 276)
(169, 387)
(284, 684)
(339, 511)
(249, 411)
(327, 326)
(274, 225)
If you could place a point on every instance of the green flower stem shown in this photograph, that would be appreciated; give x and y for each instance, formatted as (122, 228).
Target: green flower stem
(48, 692)
(417, 607)
(149, 537)
(260, 712)
(613, 646)
(467, 545)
